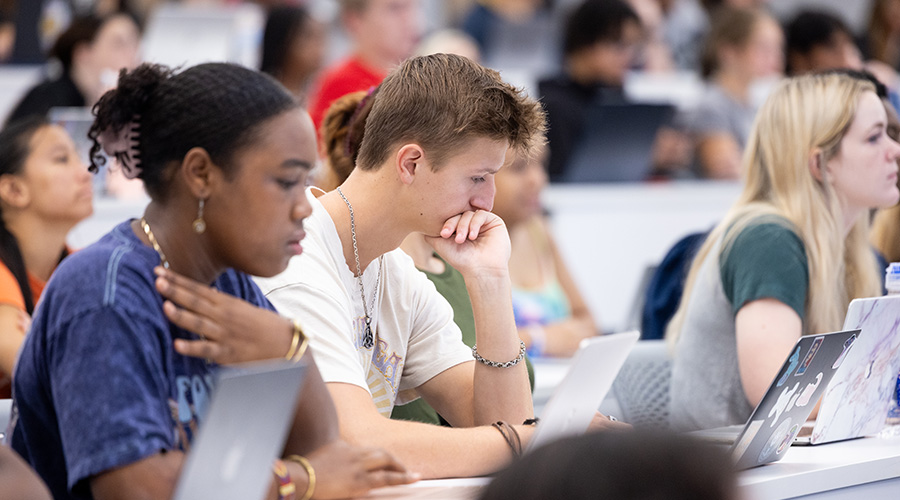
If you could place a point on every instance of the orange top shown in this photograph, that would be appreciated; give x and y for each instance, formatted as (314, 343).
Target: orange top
(11, 294)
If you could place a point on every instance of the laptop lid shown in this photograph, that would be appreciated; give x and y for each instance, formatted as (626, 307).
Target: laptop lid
(790, 399)
(856, 401)
(616, 144)
(575, 400)
(242, 433)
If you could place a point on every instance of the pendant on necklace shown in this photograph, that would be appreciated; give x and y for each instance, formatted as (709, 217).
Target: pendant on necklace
(368, 339)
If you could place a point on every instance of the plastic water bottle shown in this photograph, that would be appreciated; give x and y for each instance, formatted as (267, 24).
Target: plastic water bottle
(892, 424)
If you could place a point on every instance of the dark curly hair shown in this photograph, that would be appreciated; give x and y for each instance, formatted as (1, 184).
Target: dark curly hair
(219, 107)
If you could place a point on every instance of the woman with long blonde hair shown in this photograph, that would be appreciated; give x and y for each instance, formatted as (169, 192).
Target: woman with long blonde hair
(791, 253)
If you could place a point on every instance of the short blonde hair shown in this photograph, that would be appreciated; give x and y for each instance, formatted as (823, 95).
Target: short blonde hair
(442, 101)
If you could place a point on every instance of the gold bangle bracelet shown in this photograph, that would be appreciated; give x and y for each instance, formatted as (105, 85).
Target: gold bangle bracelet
(301, 351)
(295, 341)
(304, 344)
(311, 488)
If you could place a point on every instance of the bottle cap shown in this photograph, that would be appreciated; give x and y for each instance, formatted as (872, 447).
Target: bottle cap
(892, 277)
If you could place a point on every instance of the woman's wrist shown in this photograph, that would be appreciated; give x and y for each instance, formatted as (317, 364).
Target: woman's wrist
(302, 469)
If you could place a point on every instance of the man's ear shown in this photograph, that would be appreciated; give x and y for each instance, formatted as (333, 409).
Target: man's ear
(14, 192)
(410, 161)
(817, 164)
(199, 172)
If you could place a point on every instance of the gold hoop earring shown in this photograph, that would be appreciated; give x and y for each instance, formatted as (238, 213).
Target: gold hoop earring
(199, 224)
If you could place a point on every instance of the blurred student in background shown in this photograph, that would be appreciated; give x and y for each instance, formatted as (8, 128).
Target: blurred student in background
(600, 42)
(551, 315)
(882, 38)
(743, 46)
(45, 190)
(293, 48)
(791, 252)
(384, 33)
(819, 41)
(91, 52)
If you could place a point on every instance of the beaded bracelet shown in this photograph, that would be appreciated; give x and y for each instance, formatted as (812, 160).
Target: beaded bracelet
(286, 488)
(311, 487)
(495, 364)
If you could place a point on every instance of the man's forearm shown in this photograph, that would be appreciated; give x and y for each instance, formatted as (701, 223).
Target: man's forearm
(499, 393)
(435, 451)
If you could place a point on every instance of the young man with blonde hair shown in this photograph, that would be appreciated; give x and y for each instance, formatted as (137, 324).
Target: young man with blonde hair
(437, 133)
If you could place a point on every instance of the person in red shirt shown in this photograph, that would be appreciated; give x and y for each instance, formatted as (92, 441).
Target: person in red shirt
(384, 33)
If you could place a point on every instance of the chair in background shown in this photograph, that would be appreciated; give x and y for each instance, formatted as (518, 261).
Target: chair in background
(642, 386)
(5, 413)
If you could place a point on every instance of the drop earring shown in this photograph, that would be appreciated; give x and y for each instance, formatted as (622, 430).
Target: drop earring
(199, 224)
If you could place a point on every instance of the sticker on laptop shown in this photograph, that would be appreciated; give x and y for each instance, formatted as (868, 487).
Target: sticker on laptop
(794, 361)
(776, 442)
(847, 345)
(806, 395)
(785, 399)
(741, 446)
(788, 439)
(813, 349)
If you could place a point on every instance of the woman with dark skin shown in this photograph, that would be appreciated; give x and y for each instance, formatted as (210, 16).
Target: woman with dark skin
(226, 179)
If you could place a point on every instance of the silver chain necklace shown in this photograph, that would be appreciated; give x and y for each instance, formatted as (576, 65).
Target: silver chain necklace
(368, 338)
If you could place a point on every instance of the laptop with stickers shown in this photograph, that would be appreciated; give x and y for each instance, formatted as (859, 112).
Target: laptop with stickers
(787, 404)
(856, 401)
(575, 400)
(242, 433)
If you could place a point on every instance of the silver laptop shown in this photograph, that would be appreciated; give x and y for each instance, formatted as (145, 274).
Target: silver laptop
(243, 432)
(575, 400)
(856, 401)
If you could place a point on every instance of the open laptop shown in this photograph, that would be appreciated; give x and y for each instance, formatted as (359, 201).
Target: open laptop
(787, 404)
(617, 143)
(856, 401)
(575, 400)
(242, 433)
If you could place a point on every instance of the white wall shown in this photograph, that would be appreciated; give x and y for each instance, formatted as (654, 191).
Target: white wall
(610, 233)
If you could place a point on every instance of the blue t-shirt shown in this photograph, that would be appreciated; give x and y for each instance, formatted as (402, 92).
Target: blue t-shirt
(98, 384)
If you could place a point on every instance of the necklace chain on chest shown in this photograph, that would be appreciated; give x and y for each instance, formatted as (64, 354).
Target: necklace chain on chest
(162, 257)
(150, 236)
(368, 337)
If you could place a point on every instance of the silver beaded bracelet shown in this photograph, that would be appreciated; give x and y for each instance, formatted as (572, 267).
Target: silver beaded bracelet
(505, 364)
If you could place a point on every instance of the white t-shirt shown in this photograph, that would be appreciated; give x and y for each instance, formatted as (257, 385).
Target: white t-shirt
(415, 336)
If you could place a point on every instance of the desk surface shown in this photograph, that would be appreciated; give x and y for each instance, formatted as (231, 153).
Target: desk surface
(804, 471)
(811, 470)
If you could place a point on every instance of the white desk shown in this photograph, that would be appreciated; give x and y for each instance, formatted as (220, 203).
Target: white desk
(866, 469)
(859, 469)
